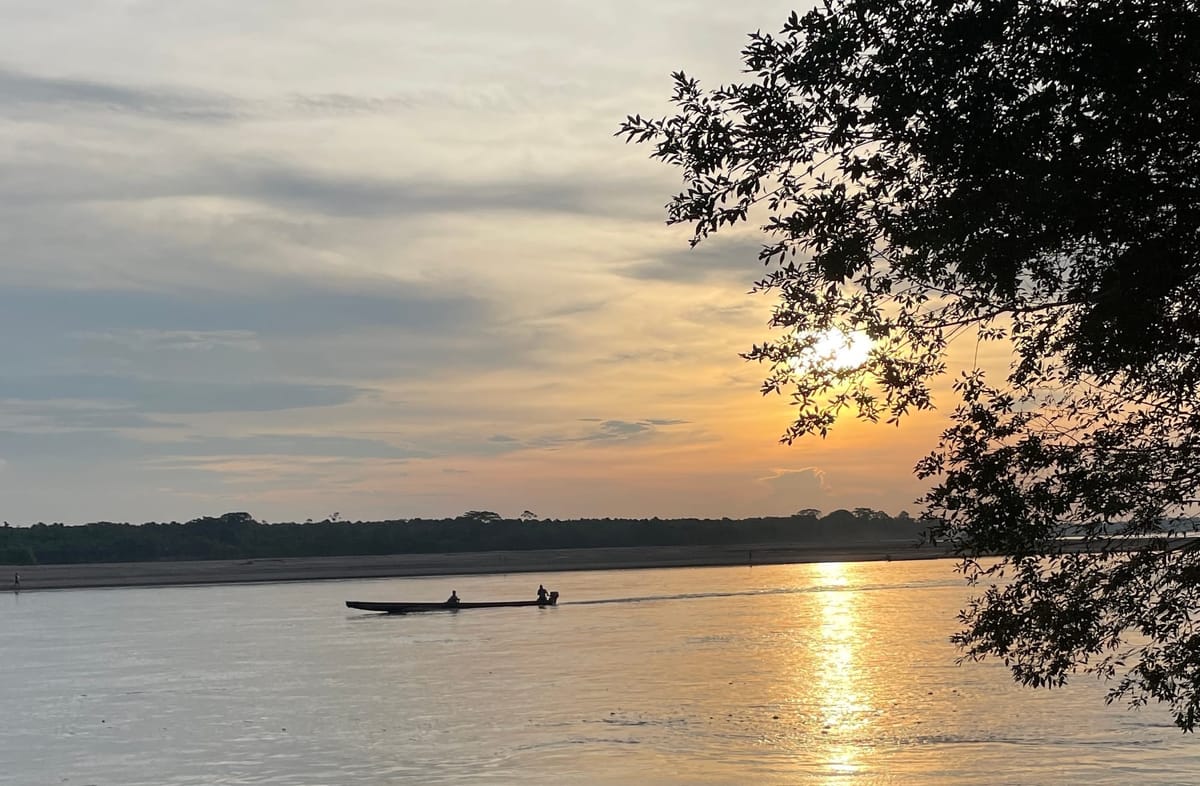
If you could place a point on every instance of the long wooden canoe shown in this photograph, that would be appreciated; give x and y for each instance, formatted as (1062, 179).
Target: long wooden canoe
(409, 608)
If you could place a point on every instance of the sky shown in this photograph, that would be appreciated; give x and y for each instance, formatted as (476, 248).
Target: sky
(383, 259)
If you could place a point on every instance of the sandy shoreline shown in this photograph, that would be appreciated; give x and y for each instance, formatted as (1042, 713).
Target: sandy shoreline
(143, 574)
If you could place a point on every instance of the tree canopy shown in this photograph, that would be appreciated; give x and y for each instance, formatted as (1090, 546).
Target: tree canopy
(240, 536)
(1020, 174)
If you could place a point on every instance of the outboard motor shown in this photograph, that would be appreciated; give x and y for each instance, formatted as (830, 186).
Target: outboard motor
(553, 601)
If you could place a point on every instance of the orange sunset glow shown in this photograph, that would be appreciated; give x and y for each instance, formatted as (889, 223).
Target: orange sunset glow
(389, 280)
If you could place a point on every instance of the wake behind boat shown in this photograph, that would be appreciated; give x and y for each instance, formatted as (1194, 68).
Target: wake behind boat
(551, 599)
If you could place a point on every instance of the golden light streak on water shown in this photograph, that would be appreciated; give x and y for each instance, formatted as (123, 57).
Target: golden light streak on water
(845, 707)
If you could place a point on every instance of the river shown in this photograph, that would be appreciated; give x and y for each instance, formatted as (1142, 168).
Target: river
(836, 673)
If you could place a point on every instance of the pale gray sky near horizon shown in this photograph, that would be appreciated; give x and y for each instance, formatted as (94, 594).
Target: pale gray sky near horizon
(380, 258)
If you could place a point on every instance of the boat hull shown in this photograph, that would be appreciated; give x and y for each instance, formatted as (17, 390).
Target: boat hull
(410, 608)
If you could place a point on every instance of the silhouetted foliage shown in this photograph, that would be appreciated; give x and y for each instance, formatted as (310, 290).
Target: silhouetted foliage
(1027, 173)
(239, 536)
(481, 516)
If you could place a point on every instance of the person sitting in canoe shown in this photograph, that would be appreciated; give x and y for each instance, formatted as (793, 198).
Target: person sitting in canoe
(453, 599)
(542, 594)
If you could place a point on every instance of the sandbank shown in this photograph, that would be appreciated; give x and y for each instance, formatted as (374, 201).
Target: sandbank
(144, 574)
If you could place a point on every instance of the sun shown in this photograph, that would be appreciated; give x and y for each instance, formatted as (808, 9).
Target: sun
(832, 350)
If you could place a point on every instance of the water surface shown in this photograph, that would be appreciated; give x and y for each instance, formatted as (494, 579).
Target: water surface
(791, 674)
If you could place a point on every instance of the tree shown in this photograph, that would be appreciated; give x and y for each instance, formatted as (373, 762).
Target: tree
(481, 516)
(870, 514)
(1022, 175)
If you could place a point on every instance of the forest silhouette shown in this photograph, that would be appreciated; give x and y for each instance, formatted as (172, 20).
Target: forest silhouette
(240, 536)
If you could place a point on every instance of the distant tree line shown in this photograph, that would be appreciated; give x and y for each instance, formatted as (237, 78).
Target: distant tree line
(240, 536)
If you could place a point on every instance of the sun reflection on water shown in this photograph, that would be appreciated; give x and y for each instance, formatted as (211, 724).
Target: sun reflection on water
(839, 689)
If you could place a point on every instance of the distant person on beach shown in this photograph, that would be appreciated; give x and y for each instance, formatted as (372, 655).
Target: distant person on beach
(453, 599)
(542, 594)
(16, 581)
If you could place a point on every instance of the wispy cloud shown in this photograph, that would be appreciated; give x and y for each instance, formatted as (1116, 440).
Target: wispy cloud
(610, 431)
(288, 445)
(26, 93)
(68, 415)
(395, 258)
(153, 339)
(192, 319)
(23, 448)
(159, 396)
(301, 187)
(369, 196)
(23, 92)
(716, 258)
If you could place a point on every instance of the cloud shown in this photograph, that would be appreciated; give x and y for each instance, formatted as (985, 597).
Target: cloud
(74, 415)
(621, 430)
(789, 490)
(365, 195)
(231, 249)
(63, 174)
(178, 396)
(22, 91)
(493, 99)
(715, 258)
(84, 446)
(603, 431)
(154, 340)
(68, 452)
(288, 445)
(61, 344)
(165, 320)
(26, 93)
